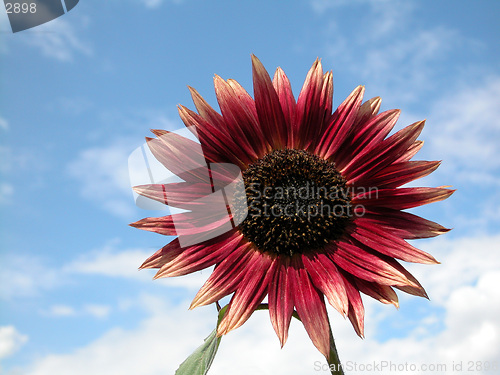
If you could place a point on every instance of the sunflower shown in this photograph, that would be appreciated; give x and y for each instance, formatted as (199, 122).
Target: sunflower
(322, 210)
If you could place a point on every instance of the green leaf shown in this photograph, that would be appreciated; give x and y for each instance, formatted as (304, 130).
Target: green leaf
(200, 361)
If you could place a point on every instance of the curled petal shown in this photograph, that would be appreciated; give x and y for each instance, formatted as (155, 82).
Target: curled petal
(217, 145)
(410, 152)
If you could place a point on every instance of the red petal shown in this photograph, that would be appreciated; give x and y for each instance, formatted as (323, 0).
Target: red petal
(382, 293)
(245, 300)
(281, 299)
(183, 195)
(356, 313)
(412, 150)
(384, 242)
(180, 155)
(365, 136)
(200, 256)
(385, 153)
(356, 259)
(311, 307)
(268, 106)
(401, 173)
(164, 255)
(404, 224)
(310, 116)
(217, 145)
(326, 277)
(340, 125)
(185, 224)
(162, 225)
(226, 276)
(240, 120)
(288, 105)
(207, 112)
(402, 198)
(367, 111)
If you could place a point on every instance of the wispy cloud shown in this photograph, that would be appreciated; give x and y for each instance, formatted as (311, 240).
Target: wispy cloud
(463, 289)
(467, 126)
(102, 173)
(94, 310)
(4, 125)
(389, 50)
(11, 340)
(153, 4)
(58, 39)
(23, 276)
(6, 192)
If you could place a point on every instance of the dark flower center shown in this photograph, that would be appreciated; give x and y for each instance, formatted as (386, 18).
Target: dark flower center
(297, 202)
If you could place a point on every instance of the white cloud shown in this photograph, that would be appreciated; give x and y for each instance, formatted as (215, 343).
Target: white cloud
(6, 192)
(97, 311)
(4, 125)
(57, 39)
(458, 324)
(27, 276)
(467, 127)
(110, 262)
(102, 173)
(94, 310)
(23, 276)
(153, 4)
(10, 341)
(60, 311)
(389, 50)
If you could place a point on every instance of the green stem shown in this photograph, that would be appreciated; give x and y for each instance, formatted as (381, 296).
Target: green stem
(333, 358)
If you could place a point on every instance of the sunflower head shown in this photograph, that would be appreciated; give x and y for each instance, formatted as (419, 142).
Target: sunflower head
(320, 211)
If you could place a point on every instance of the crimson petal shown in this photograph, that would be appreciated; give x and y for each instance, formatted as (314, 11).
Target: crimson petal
(226, 276)
(283, 88)
(383, 241)
(253, 289)
(310, 307)
(326, 277)
(200, 256)
(402, 198)
(271, 117)
(281, 299)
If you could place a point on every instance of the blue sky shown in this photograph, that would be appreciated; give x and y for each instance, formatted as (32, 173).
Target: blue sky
(80, 93)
